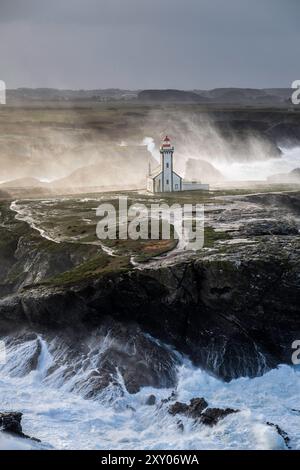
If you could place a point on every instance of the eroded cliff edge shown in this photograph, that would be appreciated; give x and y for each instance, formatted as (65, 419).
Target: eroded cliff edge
(233, 310)
(232, 318)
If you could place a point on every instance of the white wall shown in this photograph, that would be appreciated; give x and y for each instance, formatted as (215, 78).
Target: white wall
(176, 182)
(158, 183)
(167, 170)
(190, 186)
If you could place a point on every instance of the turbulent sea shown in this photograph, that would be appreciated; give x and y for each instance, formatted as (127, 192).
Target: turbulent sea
(260, 170)
(65, 420)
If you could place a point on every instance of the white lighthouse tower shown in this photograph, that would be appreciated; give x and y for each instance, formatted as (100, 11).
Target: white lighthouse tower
(164, 179)
(169, 177)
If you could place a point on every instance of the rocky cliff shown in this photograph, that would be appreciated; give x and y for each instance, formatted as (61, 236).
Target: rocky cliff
(232, 309)
(233, 319)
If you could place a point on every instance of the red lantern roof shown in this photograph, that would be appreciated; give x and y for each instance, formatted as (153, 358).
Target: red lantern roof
(166, 143)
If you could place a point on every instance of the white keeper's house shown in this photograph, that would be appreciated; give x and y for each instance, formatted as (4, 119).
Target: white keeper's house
(164, 179)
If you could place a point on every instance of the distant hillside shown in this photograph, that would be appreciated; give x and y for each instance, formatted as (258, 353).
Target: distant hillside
(52, 94)
(23, 183)
(225, 96)
(171, 96)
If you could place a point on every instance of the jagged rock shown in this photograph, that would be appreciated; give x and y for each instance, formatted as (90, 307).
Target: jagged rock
(281, 433)
(31, 353)
(178, 407)
(193, 410)
(196, 407)
(198, 410)
(151, 400)
(10, 422)
(266, 227)
(211, 416)
(107, 354)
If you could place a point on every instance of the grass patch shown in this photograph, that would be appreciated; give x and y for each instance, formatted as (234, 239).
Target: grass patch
(211, 236)
(93, 268)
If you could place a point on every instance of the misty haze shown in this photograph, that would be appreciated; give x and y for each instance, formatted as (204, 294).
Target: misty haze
(96, 141)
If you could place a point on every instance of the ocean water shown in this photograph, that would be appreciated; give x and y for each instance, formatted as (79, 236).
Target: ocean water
(260, 170)
(65, 420)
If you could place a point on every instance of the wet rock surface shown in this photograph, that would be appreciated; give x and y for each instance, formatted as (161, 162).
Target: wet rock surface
(270, 227)
(211, 416)
(281, 433)
(232, 317)
(193, 410)
(87, 362)
(178, 408)
(198, 409)
(151, 400)
(10, 422)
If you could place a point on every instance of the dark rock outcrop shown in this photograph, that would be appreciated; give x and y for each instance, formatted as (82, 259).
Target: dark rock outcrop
(198, 409)
(170, 96)
(10, 422)
(226, 315)
(281, 433)
(89, 361)
(193, 410)
(178, 408)
(151, 400)
(211, 416)
(268, 227)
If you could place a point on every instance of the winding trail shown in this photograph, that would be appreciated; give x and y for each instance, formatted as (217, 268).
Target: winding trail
(25, 216)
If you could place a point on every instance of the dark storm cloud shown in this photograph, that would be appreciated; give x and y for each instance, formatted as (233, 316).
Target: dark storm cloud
(143, 43)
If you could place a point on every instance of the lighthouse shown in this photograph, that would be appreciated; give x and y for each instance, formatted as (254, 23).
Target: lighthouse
(164, 179)
(170, 180)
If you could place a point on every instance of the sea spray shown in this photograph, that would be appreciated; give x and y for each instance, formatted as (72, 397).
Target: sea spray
(65, 420)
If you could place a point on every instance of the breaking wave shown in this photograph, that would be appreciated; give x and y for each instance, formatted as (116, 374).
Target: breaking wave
(260, 170)
(57, 412)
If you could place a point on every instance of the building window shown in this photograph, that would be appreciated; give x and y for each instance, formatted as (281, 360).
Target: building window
(167, 181)
(167, 165)
(176, 186)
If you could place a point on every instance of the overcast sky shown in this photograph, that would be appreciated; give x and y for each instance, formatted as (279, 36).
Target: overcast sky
(149, 43)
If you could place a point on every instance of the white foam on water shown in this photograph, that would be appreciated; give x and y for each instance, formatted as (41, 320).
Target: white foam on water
(260, 170)
(9, 442)
(64, 420)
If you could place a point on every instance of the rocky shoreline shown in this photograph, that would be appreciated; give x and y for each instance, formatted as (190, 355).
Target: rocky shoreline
(232, 309)
(231, 318)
